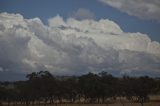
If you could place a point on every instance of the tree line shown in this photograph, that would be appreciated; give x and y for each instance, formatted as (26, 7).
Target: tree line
(44, 88)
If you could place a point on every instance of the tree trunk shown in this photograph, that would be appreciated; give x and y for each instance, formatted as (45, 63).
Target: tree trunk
(8, 103)
(141, 103)
(121, 101)
(45, 102)
(27, 103)
(33, 103)
(106, 104)
(103, 99)
(98, 100)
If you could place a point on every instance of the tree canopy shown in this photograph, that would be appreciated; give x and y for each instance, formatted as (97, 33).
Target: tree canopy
(89, 88)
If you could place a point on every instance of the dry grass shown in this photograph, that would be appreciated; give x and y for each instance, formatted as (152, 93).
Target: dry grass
(115, 104)
(154, 101)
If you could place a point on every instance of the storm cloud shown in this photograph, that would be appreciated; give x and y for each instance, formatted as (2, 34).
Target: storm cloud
(74, 46)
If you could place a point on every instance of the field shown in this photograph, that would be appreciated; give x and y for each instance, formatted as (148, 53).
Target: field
(114, 104)
(154, 101)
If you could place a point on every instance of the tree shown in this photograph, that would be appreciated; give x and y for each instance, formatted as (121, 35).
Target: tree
(94, 88)
(143, 87)
(2, 94)
(41, 86)
(89, 86)
(107, 85)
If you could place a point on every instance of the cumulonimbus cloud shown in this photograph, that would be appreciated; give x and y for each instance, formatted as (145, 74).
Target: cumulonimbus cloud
(73, 46)
(144, 9)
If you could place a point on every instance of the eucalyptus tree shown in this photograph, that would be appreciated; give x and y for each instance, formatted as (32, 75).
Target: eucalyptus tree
(89, 84)
(108, 85)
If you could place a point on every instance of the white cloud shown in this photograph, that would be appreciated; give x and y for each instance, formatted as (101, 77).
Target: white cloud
(57, 21)
(73, 46)
(144, 9)
(83, 13)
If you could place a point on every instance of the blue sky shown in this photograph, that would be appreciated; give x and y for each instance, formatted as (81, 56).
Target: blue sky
(45, 9)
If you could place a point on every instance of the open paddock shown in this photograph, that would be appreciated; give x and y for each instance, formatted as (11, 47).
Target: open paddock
(114, 104)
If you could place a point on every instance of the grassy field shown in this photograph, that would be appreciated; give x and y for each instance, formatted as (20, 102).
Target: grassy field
(115, 104)
(154, 101)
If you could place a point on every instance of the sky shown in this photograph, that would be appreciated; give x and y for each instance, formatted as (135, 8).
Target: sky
(72, 37)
